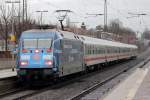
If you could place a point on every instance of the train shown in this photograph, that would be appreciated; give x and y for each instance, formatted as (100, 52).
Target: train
(50, 53)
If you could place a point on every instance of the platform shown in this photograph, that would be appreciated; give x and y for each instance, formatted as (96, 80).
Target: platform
(6, 73)
(135, 87)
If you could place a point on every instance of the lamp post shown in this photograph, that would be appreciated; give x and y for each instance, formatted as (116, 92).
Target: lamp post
(105, 15)
(136, 15)
(12, 2)
(74, 27)
(41, 11)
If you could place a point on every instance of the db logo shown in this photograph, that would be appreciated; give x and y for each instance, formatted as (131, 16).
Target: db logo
(36, 57)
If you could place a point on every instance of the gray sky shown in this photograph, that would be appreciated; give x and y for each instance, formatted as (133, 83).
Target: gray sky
(116, 9)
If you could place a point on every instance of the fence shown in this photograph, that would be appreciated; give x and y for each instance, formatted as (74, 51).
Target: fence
(6, 60)
(6, 63)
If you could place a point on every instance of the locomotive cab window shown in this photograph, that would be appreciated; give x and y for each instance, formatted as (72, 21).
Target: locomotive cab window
(36, 43)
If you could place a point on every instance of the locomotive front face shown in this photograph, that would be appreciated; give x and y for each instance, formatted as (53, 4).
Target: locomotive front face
(36, 57)
(36, 53)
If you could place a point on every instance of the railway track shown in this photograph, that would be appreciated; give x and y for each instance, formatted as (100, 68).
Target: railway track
(59, 87)
(7, 84)
(29, 93)
(92, 88)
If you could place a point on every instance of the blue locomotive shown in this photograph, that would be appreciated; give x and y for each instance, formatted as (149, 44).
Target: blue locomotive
(44, 53)
(52, 53)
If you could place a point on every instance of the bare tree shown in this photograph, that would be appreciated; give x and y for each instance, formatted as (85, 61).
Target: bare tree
(146, 34)
(5, 19)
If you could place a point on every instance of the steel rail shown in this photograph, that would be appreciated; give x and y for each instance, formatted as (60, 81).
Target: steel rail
(94, 87)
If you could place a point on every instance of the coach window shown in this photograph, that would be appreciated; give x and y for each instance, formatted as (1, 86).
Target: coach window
(93, 49)
(117, 50)
(102, 50)
(98, 50)
(86, 49)
(114, 50)
(120, 50)
(89, 49)
(131, 50)
(111, 50)
(107, 50)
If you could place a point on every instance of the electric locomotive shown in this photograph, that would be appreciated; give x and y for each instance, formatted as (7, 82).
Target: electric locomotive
(48, 53)
(52, 53)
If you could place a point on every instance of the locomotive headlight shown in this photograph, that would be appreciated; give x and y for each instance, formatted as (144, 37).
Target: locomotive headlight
(46, 57)
(25, 57)
(49, 62)
(23, 63)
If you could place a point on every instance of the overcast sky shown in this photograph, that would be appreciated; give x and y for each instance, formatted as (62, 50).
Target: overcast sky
(116, 9)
